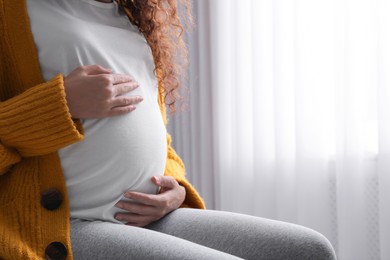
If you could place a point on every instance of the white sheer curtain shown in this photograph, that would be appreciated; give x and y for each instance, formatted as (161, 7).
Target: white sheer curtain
(289, 115)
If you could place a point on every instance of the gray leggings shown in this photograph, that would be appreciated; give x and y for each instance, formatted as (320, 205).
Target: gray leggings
(199, 234)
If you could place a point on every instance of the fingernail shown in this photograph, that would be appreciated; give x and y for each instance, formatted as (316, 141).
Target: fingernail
(157, 180)
(128, 195)
(139, 98)
(119, 217)
(119, 205)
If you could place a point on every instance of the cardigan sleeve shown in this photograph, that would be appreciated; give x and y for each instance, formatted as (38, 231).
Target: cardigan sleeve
(8, 157)
(36, 122)
(175, 168)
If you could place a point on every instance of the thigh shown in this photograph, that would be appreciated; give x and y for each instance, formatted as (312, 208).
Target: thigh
(245, 236)
(105, 240)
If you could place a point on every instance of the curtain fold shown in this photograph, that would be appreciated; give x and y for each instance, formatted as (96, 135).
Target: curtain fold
(288, 115)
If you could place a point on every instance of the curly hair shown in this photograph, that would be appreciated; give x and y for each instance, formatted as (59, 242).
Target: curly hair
(159, 22)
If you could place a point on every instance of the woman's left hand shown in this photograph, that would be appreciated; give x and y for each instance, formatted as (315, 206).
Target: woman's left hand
(148, 208)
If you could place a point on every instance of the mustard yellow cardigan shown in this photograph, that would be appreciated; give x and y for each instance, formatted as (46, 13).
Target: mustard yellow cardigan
(34, 124)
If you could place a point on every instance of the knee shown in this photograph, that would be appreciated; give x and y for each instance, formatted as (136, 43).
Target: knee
(314, 245)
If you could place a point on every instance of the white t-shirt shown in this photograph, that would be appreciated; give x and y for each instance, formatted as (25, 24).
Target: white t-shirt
(118, 153)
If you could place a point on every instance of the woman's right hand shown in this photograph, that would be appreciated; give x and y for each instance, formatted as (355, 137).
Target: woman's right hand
(95, 92)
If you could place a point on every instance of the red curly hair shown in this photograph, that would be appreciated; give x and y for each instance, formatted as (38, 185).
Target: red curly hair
(159, 21)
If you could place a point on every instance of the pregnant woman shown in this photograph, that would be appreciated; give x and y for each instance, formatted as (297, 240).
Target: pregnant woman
(87, 170)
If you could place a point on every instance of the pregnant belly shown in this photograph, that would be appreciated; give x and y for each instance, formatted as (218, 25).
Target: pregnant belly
(118, 154)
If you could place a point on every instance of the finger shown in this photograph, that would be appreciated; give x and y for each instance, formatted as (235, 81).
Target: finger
(136, 208)
(147, 199)
(117, 111)
(124, 88)
(122, 101)
(156, 180)
(134, 218)
(95, 70)
(121, 78)
(165, 181)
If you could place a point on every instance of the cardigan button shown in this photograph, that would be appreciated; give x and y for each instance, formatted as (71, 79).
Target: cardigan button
(51, 199)
(56, 251)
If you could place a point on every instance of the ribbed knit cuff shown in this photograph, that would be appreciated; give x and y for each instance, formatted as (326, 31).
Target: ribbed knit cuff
(38, 122)
(175, 168)
(8, 157)
(193, 199)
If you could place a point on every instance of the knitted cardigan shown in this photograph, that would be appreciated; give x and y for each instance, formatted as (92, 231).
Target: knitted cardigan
(34, 124)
